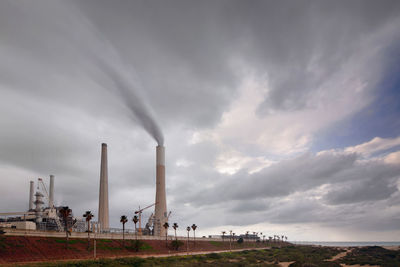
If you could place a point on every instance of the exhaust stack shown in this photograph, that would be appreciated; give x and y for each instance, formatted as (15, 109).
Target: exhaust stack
(103, 193)
(160, 213)
(51, 193)
(31, 191)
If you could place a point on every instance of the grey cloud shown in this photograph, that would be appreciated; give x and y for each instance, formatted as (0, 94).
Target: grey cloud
(56, 107)
(298, 174)
(360, 191)
(308, 188)
(190, 83)
(320, 38)
(254, 205)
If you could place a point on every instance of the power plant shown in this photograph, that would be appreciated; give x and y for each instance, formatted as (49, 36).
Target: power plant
(42, 214)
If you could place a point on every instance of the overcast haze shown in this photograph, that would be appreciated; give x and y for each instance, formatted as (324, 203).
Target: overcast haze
(277, 117)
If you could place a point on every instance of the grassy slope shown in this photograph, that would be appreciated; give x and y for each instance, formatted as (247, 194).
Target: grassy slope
(28, 249)
(268, 257)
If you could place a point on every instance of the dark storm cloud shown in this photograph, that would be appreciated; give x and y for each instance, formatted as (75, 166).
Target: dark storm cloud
(281, 179)
(178, 51)
(311, 44)
(360, 191)
(299, 44)
(350, 181)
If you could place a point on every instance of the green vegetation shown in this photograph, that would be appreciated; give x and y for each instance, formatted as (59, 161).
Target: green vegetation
(216, 243)
(176, 244)
(63, 241)
(304, 256)
(374, 256)
(299, 256)
(3, 243)
(138, 245)
(104, 240)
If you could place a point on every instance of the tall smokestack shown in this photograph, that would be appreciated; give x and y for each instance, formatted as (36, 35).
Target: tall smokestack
(31, 191)
(161, 200)
(51, 192)
(103, 194)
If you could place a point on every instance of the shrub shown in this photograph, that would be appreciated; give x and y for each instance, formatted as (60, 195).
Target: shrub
(240, 240)
(214, 256)
(137, 245)
(176, 244)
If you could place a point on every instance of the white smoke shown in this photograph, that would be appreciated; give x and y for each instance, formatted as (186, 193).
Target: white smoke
(128, 90)
(102, 55)
(73, 33)
(125, 83)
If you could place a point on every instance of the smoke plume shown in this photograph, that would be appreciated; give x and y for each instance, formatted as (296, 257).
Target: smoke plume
(128, 90)
(122, 77)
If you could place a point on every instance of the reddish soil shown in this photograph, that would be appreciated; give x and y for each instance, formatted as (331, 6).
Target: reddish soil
(14, 249)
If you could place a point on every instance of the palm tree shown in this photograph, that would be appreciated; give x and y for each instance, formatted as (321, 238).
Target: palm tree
(187, 243)
(123, 220)
(175, 226)
(88, 215)
(286, 238)
(135, 220)
(65, 212)
(247, 235)
(194, 227)
(223, 236)
(166, 226)
(282, 238)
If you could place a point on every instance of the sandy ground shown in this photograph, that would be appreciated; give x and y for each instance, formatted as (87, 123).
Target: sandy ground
(343, 254)
(340, 255)
(285, 264)
(358, 265)
(392, 247)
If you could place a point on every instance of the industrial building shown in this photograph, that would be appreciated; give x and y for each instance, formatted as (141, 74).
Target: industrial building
(43, 215)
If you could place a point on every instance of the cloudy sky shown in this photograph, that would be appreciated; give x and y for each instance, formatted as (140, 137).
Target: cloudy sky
(277, 117)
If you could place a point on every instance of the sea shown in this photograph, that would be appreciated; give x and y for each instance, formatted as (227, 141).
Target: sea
(347, 244)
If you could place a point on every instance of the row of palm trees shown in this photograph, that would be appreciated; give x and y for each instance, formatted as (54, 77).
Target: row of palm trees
(275, 238)
(124, 220)
(175, 226)
(88, 215)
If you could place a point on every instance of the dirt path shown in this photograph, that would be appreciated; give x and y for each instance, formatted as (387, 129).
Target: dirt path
(358, 265)
(191, 253)
(340, 255)
(285, 264)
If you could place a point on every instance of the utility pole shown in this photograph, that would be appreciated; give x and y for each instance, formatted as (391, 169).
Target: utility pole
(94, 242)
(230, 240)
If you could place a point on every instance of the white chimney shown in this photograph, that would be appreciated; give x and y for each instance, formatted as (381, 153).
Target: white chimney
(31, 191)
(103, 193)
(160, 213)
(51, 192)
